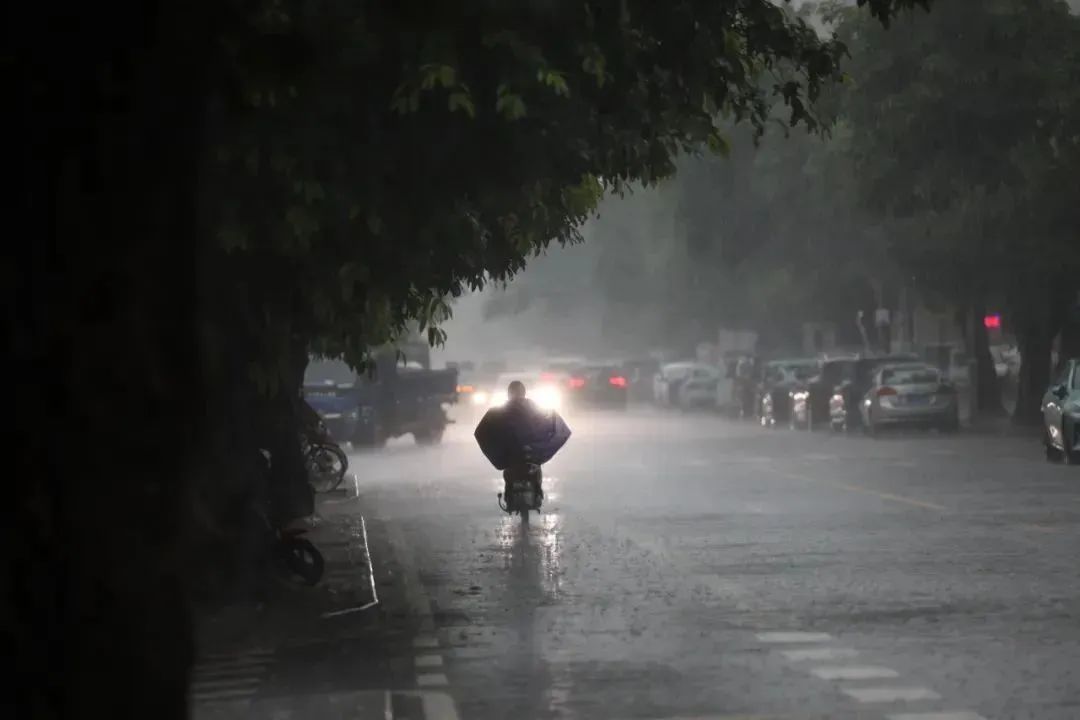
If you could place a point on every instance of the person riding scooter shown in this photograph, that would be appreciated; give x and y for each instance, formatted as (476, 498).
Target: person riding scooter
(518, 403)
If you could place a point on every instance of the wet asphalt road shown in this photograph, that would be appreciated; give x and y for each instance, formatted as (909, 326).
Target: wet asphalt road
(692, 567)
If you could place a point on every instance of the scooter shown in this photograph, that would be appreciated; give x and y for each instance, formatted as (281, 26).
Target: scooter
(286, 552)
(521, 497)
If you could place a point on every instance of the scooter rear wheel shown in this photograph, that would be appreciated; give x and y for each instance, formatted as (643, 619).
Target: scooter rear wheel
(302, 559)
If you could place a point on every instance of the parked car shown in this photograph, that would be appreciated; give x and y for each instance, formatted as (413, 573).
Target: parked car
(810, 404)
(1061, 415)
(727, 395)
(913, 394)
(639, 373)
(781, 379)
(699, 389)
(667, 381)
(599, 385)
(844, 405)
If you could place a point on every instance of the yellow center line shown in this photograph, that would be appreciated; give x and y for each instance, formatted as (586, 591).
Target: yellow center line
(926, 505)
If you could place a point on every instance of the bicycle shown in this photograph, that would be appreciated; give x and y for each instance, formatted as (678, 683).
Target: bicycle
(326, 463)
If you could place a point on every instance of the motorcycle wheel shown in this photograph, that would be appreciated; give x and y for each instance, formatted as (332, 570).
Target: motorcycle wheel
(524, 512)
(326, 466)
(302, 559)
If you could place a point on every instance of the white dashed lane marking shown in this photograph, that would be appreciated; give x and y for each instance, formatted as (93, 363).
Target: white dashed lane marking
(854, 672)
(952, 715)
(223, 678)
(875, 694)
(819, 654)
(890, 694)
(436, 705)
(431, 680)
(793, 637)
(429, 661)
(719, 717)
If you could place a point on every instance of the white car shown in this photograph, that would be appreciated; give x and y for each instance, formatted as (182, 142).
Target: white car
(727, 401)
(686, 384)
(700, 389)
(670, 375)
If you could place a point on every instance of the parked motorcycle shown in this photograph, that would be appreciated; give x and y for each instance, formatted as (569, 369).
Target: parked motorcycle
(286, 552)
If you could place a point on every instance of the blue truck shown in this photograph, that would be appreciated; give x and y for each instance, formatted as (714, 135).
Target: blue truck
(400, 396)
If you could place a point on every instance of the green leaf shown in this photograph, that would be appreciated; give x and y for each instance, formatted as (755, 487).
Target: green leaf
(718, 144)
(461, 101)
(555, 81)
(511, 106)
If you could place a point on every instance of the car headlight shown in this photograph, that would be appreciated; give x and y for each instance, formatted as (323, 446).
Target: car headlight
(480, 398)
(548, 397)
(352, 414)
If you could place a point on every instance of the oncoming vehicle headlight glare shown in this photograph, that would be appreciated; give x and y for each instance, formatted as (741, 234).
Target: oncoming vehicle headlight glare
(548, 397)
(480, 398)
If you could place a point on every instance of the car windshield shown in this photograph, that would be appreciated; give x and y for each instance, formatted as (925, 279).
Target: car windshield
(600, 371)
(912, 375)
(838, 371)
(802, 371)
(563, 366)
(329, 372)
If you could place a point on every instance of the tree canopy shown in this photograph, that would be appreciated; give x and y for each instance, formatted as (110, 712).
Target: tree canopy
(413, 152)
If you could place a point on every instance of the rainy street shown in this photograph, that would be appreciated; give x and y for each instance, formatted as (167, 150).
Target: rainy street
(691, 566)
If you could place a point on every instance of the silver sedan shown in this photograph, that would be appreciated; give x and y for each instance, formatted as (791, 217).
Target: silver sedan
(910, 394)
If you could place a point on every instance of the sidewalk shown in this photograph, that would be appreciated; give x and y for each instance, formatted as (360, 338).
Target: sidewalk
(237, 645)
(346, 649)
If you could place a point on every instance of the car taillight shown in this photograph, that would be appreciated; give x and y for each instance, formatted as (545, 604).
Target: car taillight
(618, 381)
(577, 382)
(547, 377)
(883, 392)
(465, 388)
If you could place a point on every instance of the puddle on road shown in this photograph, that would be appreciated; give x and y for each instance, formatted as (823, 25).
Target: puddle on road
(532, 554)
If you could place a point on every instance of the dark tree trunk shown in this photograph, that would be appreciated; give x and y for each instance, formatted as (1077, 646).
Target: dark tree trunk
(293, 496)
(106, 352)
(987, 388)
(1035, 338)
